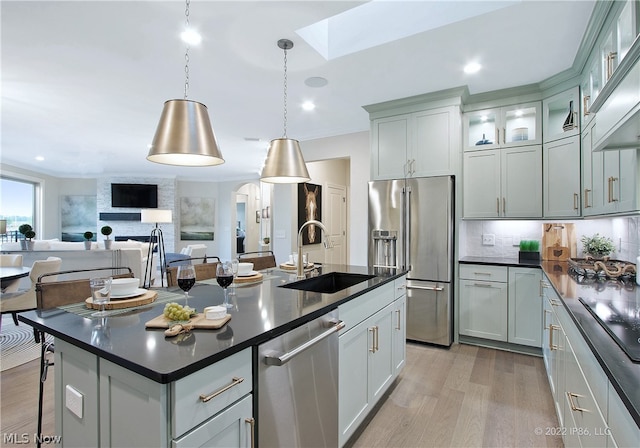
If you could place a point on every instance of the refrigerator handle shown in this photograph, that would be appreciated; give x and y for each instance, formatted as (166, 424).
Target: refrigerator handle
(407, 226)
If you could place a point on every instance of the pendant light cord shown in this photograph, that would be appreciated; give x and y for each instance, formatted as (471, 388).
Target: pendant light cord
(186, 54)
(285, 92)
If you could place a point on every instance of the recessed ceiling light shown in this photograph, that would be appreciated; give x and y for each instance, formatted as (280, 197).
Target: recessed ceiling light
(519, 113)
(472, 67)
(39, 158)
(191, 37)
(316, 81)
(308, 105)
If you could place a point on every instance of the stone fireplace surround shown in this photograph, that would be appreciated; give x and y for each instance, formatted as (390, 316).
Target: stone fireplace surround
(125, 222)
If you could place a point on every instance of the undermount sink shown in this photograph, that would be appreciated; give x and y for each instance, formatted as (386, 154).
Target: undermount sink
(329, 283)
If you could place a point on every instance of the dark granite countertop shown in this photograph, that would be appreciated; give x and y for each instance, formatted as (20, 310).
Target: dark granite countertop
(261, 312)
(623, 373)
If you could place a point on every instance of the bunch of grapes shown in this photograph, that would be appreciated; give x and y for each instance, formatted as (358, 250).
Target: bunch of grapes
(175, 311)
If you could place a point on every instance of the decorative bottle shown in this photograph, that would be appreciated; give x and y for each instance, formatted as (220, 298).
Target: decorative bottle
(569, 121)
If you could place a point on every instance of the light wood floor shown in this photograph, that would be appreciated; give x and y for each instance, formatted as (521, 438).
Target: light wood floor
(466, 396)
(462, 397)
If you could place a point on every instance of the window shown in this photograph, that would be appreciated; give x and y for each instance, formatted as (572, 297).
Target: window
(17, 204)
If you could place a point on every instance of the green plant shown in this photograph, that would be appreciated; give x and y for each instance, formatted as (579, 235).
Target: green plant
(88, 235)
(29, 234)
(597, 246)
(106, 231)
(24, 228)
(529, 246)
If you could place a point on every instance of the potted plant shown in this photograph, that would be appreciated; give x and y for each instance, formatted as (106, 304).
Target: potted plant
(88, 236)
(529, 251)
(29, 234)
(23, 229)
(597, 246)
(106, 231)
(266, 240)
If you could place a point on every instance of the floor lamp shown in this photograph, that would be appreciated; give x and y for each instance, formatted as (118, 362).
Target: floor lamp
(155, 216)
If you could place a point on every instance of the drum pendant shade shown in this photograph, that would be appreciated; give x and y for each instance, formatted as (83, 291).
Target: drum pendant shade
(184, 136)
(284, 163)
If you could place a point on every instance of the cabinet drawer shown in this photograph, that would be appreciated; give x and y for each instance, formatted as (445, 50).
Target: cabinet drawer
(624, 431)
(189, 409)
(483, 272)
(360, 308)
(400, 285)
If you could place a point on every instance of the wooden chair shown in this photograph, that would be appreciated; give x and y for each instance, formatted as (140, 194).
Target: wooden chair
(25, 300)
(261, 259)
(205, 268)
(52, 294)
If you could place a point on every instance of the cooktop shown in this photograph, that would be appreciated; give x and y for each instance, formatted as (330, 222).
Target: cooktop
(621, 319)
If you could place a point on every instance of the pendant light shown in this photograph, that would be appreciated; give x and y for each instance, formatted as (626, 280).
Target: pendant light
(284, 163)
(184, 135)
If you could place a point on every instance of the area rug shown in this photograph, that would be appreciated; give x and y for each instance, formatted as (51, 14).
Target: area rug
(17, 345)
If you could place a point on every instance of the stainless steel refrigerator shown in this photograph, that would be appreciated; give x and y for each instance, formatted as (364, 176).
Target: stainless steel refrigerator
(411, 224)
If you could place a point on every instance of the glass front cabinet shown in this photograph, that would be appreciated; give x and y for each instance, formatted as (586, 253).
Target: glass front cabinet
(503, 127)
(561, 115)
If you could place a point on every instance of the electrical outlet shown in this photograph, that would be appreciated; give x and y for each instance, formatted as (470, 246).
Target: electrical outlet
(488, 239)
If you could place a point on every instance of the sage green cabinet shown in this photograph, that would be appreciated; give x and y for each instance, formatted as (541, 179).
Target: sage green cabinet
(561, 178)
(524, 307)
(483, 302)
(503, 183)
(502, 127)
(561, 115)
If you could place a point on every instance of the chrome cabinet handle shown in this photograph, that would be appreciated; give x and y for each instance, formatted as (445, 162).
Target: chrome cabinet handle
(572, 404)
(234, 382)
(273, 359)
(427, 288)
(252, 424)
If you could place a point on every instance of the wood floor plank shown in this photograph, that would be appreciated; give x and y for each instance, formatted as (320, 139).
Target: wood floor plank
(483, 367)
(500, 425)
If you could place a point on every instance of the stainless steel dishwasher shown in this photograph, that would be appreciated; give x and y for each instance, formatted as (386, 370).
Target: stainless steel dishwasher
(298, 386)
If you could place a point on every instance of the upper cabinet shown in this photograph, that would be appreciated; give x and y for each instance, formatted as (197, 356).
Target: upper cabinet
(417, 144)
(617, 40)
(503, 127)
(561, 115)
(589, 89)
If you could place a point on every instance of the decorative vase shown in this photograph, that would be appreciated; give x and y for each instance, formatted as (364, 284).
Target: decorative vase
(30, 244)
(107, 244)
(569, 122)
(87, 244)
(23, 244)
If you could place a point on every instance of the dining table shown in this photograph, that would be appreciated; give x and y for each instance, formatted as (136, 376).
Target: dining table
(10, 274)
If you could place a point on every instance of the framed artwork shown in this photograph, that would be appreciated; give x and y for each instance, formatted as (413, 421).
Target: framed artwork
(77, 215)
(197, 219)
(310, 207)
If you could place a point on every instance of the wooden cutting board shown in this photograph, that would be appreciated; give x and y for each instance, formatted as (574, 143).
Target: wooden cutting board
(198, 321)
(147, 297)
(249, 279)
(293, 267)
(558, 241)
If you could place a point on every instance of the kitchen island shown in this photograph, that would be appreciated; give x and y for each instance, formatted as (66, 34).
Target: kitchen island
(118, 383)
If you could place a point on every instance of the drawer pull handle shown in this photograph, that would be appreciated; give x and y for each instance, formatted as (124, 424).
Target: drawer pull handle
(252, 425)
(573, 406)
(482, 273)
(552, 346)
(234, 382)
(544, 319)
(373, 339)
(483, 285)
(399, 316)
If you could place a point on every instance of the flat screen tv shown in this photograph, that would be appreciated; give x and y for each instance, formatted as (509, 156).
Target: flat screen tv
(134, 195)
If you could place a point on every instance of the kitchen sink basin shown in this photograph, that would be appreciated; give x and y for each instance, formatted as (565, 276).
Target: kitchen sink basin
(328, 283)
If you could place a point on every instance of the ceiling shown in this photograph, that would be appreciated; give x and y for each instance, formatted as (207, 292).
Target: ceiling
(83, 83)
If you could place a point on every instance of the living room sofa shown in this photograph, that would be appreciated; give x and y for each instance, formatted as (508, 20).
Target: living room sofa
(130, 253)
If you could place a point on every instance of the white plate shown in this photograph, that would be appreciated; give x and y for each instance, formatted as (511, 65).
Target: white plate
(250, 274)
(137, 292)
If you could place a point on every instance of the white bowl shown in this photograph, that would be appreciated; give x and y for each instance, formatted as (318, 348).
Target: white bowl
(124, 286)
(245, 268)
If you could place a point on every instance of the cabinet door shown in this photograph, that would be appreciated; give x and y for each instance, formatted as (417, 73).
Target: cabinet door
(525, 307)
(381, 368)
(399, 334)
(432, 152)
(391, 140)
(521, 182)
(587, 172)
(561, 115)
(353, 384)
(232, 428)
(629, 187)
(611, 178)
(520, 125)
(481, 184)
(481, 129)
(483, 309)
(561, 175)
(598, 181)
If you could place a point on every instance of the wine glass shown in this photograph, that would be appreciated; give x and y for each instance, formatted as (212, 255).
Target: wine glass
(100, 293)
(224, 277)
(234, 269)
(186, 278)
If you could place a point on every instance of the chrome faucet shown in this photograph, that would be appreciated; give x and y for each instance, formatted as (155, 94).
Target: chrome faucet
(327, 243)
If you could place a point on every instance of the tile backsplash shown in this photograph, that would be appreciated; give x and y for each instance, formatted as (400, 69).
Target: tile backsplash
(622, 230)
